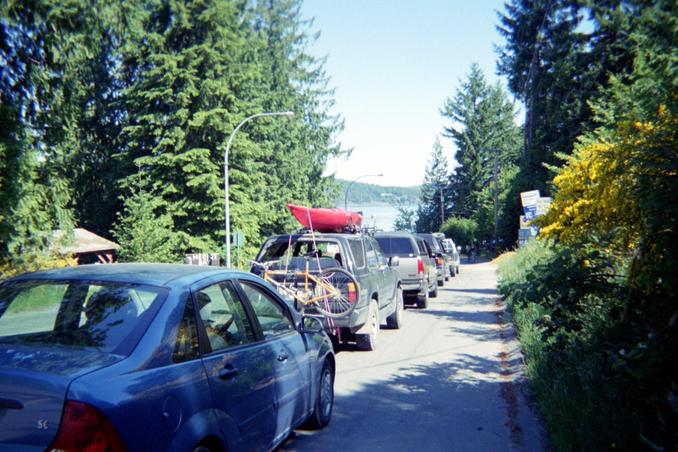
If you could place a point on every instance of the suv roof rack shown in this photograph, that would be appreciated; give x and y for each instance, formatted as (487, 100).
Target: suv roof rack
(345, 230)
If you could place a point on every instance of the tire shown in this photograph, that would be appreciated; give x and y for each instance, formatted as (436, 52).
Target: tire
(324, 402)
(395, 320)
(433, 293)
(338, 305)
(422, 300)
(452, 272)
(368, 341)
(457, 269)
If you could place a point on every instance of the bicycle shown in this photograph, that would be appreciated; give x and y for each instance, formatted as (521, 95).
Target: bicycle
(333, 292)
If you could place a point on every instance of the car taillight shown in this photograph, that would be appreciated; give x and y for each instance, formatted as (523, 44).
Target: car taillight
(420, 266)
(84, 428)
(440, 262)
(351, 292)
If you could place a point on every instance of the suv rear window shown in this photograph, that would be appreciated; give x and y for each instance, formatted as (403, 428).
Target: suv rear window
(294, 255)
(396, 246)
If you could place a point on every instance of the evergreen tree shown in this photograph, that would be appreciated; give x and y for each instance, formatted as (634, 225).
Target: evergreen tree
(191, 82)
(34, 109)
(144, 234)
(406, 219)
(296, 150)
(555, 68)
(487, 142)
(431, 209)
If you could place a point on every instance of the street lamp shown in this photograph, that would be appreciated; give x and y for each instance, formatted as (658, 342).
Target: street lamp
(354, 181)
(228, 146)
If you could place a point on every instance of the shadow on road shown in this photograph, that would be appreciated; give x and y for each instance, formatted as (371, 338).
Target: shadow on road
(436, 406)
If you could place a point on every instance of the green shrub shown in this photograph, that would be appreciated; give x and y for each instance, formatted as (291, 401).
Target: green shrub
(568, 306)
(461, 230)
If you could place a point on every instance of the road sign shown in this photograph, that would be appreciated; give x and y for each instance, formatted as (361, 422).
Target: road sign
(202, 259)
(238, 238)
(543, 204)
(529, 198)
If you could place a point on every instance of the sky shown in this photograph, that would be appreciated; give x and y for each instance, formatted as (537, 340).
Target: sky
(393, 64)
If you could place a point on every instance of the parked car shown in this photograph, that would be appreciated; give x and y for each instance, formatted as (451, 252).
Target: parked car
(452, 250)
(418, 273)
(448, 256)
(379, 284)
(156, 357)
(439, 255)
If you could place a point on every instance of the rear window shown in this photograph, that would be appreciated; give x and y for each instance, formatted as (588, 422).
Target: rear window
(75, 314)
(396, 246)
(432, 243)
(294, 254)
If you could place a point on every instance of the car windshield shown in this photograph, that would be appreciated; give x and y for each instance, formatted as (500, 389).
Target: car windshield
(396, 246)
(76, 314)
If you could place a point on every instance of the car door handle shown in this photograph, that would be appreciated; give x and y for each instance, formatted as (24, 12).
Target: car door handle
(228, 372)
(283, 357)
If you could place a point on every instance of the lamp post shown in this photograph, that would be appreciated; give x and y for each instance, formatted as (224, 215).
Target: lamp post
(228, 146)
(353, 182)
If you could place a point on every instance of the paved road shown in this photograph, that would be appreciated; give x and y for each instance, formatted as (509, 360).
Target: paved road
(450, 380)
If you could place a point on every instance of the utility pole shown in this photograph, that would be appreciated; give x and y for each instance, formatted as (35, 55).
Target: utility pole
(496, 193)
(442, 208)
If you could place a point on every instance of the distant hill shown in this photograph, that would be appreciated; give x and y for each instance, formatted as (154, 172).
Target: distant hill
(362, 193)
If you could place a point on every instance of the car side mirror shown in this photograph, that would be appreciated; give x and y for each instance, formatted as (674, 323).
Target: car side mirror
(394, 261)
(311, 325)
(432, 255)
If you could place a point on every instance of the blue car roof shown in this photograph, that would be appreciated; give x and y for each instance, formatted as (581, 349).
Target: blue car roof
(147, 274)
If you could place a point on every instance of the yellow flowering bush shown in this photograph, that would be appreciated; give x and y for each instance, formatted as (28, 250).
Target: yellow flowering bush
(597, 190)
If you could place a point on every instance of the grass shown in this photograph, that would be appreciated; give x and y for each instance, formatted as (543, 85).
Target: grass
(579, 395)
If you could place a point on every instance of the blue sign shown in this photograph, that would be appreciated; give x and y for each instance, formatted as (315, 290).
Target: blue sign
(530, 212)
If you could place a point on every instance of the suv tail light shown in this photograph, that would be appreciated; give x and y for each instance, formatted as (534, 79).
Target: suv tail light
(420, 266)
(84, 428)
(351, 292)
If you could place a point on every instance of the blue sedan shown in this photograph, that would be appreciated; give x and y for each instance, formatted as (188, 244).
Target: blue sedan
(156, 357)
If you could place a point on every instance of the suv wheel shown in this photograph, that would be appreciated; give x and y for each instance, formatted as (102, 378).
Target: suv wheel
(422, 299)
(395, 320)
(433, 293)
(368, 341)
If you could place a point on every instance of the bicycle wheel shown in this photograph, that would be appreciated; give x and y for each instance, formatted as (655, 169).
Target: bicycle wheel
(341, 300)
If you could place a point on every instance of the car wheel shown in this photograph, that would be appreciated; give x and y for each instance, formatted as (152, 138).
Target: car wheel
(368, 341)
(433, 293)
(422, 299)
(452, 272)
(395, 320)
(457, 270)
(324, 402)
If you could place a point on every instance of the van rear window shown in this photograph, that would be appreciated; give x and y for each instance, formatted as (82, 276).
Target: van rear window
(396, 246)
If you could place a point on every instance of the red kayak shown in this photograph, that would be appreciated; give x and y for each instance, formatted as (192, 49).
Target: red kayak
(325, 220)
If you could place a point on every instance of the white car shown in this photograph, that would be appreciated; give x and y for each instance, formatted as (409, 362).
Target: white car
(451, 249)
